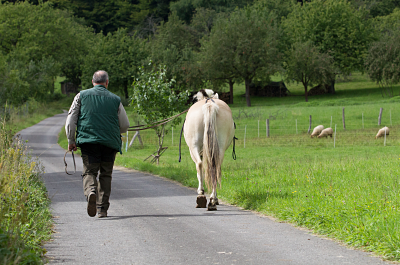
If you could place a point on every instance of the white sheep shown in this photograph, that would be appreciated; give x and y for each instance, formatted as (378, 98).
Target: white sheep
(317, 130)
(381, 132)
(326, 132)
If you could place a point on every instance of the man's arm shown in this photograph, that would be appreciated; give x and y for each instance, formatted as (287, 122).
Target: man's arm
(72, 120)
(123, 119)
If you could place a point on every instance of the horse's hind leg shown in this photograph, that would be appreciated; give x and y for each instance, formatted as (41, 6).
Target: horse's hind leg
(212, 205)
(201, 199)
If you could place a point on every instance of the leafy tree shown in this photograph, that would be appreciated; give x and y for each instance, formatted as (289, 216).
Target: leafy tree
(383, 62)
(109, 15)
(242, 46)
(388, 24)
(335, 28)
(186, 8)
(306, 65)
(39, 43)
(154, 98)
(117, 53)
(174, 45)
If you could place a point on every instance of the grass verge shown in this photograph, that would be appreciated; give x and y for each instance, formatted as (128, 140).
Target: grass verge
(25, 218)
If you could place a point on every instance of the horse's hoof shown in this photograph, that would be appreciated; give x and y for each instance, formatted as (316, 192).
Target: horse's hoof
(216, 201)
(201, 201)
(211, 207)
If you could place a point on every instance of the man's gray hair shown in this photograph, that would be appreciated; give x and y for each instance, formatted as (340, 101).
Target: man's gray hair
(100, 76)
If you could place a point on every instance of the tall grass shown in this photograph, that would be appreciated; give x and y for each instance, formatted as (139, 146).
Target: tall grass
(25, 218)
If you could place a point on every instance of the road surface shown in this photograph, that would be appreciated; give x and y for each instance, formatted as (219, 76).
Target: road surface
(154, 221)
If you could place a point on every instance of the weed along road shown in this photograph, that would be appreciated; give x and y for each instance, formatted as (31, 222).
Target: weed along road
(154, 221)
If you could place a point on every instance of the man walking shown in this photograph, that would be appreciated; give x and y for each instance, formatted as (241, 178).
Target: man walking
(98, 118)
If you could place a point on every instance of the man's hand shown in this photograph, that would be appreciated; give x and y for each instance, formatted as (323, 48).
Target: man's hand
(72, 147)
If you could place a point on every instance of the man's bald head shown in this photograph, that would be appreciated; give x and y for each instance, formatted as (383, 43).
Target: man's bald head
(100, 77)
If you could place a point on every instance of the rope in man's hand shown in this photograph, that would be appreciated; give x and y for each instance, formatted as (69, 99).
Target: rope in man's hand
(65, 162)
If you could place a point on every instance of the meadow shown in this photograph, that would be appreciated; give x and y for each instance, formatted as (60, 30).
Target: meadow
(345, 187)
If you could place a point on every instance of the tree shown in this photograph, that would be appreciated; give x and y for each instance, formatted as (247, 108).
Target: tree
(39, 43)
(306, 65)
(174, 45)
(109, 15)
(242, 46)
(186, 8)
(335, 28)
(383, 62)
(154, 98)
(118, 53)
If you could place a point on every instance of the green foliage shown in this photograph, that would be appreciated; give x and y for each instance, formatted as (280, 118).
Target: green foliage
(186, 8)
(175, 45)
(118, 53)
(306, 65)
(335, 28)
(242, 46)
(108, 16)
(154, 98)
(383, 62)
(25, 218)
(38, 43)
(388, 24)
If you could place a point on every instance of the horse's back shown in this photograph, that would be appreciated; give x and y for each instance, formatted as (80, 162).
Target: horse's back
(194, 124)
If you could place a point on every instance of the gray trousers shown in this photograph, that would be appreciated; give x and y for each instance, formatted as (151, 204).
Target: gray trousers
(98, 159)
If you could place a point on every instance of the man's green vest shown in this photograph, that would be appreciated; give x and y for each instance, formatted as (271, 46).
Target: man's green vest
(98, 118)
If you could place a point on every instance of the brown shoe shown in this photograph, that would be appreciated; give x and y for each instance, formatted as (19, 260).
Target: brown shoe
(91, 205)
(102, 214)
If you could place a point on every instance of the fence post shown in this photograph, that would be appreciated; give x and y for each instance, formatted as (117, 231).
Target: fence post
(344, 124)
(309, 127)
(244, 139)
(296, 126)
(267, 127)
(334, 138)
(380, 116)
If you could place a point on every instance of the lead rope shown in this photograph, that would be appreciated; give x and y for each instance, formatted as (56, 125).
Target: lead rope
(234, 138)
(180, 140)
(65, 163)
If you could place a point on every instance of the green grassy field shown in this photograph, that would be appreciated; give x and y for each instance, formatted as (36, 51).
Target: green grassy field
(344, 187)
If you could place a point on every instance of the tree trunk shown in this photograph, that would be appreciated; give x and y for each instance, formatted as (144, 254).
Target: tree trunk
(231, 91)
(247, 84)
(306, 93)
(332, 87)
(126, 90)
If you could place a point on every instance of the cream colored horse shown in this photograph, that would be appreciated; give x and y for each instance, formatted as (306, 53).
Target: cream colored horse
(208, 131)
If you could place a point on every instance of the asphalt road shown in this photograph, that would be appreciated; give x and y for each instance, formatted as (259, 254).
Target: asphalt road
(154, 221)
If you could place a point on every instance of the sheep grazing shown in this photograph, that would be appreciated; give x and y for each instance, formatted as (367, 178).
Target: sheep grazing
(326, 132)
(381, 132)
(317, 130)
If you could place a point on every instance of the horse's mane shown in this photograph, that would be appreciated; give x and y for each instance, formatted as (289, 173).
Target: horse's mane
(205, 93)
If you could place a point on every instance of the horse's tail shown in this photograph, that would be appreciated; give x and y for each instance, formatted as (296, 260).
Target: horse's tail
(211, 160)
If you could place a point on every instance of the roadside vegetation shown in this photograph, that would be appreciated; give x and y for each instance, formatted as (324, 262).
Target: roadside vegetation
(25, 218)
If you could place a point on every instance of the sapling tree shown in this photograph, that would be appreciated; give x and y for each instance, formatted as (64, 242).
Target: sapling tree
(154, 98)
